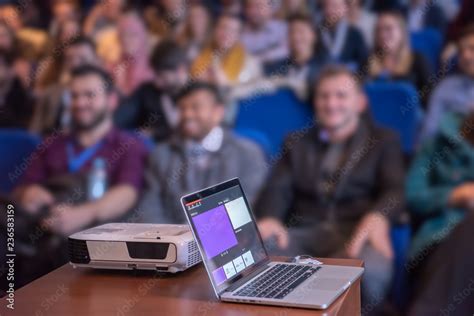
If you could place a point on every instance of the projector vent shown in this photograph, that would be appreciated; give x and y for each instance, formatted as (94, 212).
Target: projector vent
(193, 259)
(193, 254)
(78, 252)
(192, 246)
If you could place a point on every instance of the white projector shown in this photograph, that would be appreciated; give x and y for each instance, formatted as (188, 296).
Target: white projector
(162, 247)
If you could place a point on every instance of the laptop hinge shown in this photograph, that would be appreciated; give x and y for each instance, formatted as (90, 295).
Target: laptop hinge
(240, 282)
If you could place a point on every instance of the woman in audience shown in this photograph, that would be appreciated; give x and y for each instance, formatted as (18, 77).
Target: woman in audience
(197, 28)
(290, 8)
(101, 25)
(224, 61)
(392, 57)
(300, 69)
(440, 194)
(165, 18)
(133, 67)
(103, 14)
(62, 11)
(50, 69)
(22, 63)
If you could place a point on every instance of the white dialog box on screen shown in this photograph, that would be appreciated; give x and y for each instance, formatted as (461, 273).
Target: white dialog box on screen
(238, 212)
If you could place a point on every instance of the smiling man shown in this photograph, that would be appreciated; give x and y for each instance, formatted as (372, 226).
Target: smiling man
(53, 190)
(201, 154)
(336, 186)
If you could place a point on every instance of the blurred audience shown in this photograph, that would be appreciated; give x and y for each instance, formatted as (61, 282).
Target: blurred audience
(300, 69)
(363, 19)
(392, 57)
(79, 179)
(50, 69)
(424, 14)
(80, 72)
(62, 11)
(15, 100)
(341, 41)
(290, 8)
(219, 7)
(52, 111)
(101, 25)
(132, 69)
(264, 36)
(33, 39)
(200, 154)
(151, 107)
(454, 93)
(22, 60)
(166, 18)
(440, 194)
(196, 30)
(341, 183)
(225, 61)
(455, 29)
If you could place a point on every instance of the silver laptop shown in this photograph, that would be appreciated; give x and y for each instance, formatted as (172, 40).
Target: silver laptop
(236, 260)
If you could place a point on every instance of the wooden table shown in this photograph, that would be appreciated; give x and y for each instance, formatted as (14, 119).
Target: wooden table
(69, 291)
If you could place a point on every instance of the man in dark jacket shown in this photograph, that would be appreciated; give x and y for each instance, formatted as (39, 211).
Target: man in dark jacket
(337, 185)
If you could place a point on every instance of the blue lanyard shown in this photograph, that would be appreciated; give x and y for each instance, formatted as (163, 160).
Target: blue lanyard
(76, 162)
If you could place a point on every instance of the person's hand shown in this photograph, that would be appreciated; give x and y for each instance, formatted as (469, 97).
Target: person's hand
(65, 219)
(272, 227)
(373, 228)
(463, 196)
(34, 197)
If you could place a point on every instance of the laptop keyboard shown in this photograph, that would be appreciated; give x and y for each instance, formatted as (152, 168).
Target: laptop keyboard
(278, 282)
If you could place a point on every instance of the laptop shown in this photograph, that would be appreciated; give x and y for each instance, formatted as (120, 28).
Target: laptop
(237, 263)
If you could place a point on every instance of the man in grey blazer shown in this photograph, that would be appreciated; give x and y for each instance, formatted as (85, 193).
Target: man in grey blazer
(200, 153)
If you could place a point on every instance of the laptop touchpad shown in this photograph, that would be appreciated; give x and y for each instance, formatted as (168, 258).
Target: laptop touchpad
(327, 284)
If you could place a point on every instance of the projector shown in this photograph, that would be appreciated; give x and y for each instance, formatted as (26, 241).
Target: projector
(162, 247)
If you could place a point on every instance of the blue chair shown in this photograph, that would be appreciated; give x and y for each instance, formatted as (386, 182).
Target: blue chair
(257, 137)
(401, 235)
(273, 115)
(429, 43)
(15, 148)
(396, 105)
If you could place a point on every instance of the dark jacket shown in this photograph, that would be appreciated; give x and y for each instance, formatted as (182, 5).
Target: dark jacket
(369, 179)
(354, 50)
(143, 109)
(16, 107)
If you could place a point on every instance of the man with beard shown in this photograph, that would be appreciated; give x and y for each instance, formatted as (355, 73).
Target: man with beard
(200, 154)
(53, 192)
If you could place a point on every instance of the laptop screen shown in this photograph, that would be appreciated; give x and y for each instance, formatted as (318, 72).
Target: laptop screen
(226, 232)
